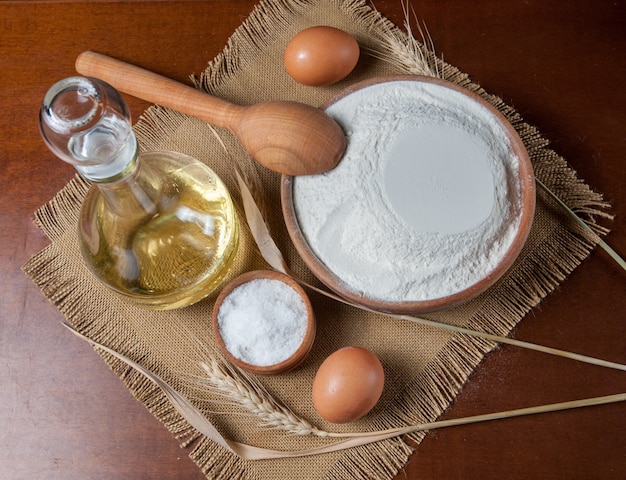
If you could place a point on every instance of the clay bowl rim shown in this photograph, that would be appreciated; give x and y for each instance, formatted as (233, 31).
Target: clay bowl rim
(527, 211)
(293, 361)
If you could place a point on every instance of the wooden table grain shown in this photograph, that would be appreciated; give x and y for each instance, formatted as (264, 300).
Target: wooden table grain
(64, 415)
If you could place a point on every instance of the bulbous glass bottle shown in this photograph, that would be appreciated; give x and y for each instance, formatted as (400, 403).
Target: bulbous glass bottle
(159, 228)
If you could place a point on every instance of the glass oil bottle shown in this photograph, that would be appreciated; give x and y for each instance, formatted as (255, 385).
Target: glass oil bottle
(158, 228)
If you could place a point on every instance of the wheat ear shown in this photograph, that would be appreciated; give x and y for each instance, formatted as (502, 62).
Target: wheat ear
(222, 380)
(407, 53)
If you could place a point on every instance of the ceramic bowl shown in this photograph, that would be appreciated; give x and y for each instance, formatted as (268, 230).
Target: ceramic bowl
(523, 175)
(302, 351)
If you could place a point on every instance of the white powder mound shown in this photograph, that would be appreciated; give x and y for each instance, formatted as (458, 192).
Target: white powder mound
(263, 322)
(426, 200)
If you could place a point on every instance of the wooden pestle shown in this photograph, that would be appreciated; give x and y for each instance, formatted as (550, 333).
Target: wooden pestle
(288, 137)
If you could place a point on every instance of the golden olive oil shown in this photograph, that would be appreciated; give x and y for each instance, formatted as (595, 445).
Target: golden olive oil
(170, 243)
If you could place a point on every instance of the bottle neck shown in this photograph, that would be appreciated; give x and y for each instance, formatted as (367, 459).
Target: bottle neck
(135, 192)
(86, 122)
(117, 166)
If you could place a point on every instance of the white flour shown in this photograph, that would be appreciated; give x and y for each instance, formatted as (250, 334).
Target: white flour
(426, 200)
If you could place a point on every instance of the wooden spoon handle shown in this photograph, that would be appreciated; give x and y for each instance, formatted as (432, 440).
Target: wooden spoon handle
(155, 88)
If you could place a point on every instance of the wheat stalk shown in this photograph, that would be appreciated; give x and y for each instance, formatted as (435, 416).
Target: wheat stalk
(404, 51)
(197, 420)
(222, 380)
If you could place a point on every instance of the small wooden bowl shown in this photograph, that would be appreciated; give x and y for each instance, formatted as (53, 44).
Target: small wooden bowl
(307, 343)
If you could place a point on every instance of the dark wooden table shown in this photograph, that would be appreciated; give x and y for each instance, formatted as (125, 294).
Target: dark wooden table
(64, 415)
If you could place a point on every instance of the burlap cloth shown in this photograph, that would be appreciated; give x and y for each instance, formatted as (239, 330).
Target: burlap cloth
(425, 367)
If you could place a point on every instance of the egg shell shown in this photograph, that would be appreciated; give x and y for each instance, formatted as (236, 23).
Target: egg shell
(348, 384)
(321, 55)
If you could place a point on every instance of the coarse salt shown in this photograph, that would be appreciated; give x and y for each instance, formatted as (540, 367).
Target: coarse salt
(263, 322)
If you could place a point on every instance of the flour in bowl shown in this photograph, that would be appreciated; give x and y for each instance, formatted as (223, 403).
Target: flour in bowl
(425, 202)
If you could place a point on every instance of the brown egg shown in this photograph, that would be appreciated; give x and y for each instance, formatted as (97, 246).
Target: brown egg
(321, 55)
(348, 384)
